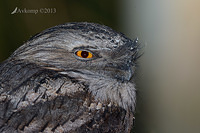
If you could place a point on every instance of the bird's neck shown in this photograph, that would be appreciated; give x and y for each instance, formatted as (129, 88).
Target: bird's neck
(107, 90)
(14, 72)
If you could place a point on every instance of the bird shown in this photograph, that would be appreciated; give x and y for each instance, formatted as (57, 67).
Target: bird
(76, 77)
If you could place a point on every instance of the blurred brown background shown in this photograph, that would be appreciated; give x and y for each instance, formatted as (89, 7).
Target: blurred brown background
(168, 77)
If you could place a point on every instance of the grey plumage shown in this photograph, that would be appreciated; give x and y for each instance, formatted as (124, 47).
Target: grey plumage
(46, 87)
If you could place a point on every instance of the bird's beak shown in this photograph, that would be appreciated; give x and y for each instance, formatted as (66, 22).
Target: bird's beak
(123, 60)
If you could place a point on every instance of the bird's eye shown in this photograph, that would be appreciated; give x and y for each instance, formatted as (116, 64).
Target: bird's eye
(84, 54)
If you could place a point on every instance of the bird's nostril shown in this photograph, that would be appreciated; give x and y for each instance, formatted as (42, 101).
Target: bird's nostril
(114, 65)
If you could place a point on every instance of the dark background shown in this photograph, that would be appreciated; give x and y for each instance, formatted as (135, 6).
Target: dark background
(17, 28)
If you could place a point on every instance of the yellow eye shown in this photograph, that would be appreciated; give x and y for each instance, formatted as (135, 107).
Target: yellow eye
(84, 54)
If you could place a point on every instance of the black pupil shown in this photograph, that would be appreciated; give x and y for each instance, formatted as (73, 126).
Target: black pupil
(84, 54)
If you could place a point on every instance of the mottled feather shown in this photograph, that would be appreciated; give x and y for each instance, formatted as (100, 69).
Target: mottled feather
(45, 87)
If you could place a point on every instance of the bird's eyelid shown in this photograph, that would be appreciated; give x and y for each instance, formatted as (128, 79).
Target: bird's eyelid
(77, 49)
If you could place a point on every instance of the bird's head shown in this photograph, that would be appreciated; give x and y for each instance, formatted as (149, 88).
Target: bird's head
(87, 49)
(95, 55)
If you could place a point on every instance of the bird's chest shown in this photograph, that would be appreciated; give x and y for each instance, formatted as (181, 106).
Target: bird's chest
(56, 104)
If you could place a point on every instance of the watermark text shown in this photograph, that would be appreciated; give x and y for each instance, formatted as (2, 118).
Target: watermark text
(33, 11)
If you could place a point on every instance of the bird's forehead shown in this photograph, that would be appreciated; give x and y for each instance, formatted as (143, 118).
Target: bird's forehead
(71, 35)
(95, 40)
